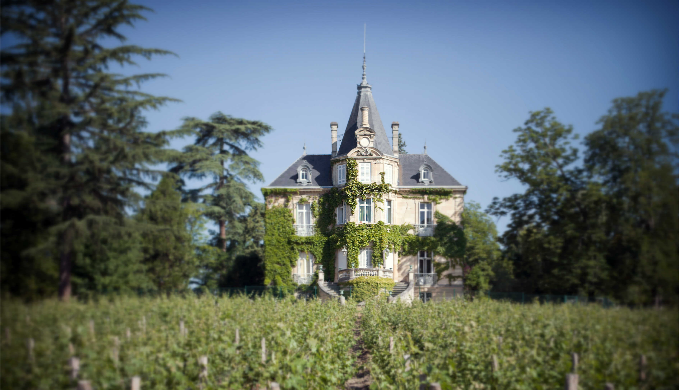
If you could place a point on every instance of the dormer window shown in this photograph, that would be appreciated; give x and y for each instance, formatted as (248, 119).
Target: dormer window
(426, 174)
(304, 174)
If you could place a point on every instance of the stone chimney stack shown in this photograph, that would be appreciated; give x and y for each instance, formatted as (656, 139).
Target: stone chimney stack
(394, 137)
(364, 111)
(333, 137)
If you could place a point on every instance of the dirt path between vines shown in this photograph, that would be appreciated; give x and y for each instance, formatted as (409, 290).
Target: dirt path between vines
(362, 380)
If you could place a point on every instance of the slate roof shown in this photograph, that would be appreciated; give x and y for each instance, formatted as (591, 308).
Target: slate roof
(410, 171)
(321, 174)
(364, 97)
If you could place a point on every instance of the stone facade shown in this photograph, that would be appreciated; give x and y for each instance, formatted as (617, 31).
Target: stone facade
(365, 140)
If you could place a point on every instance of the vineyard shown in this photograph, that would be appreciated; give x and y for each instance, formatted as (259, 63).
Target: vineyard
(243, 343)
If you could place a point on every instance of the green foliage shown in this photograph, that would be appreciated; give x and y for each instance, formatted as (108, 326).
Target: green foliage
(554, 239)
(168, 255)
(454, 341)
(632, 155)
(220, 153)
(279, 255)
(89, 152)
(366, 287)
(482, 254)
(279, 191)
(435, 195)
(354, 189)
(401, 145)
(307, 343)
(609, 227)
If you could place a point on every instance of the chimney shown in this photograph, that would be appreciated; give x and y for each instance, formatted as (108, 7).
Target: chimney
(364, 111)
(394, 137)
(333, 137)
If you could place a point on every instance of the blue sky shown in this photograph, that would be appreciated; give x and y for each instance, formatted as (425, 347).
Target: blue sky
(460, 75)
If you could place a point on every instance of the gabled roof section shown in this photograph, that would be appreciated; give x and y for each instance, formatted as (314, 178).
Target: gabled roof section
(410, 171)
(320, 172)
(364, 98)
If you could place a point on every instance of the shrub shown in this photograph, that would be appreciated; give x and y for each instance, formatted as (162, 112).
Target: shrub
(365, 287)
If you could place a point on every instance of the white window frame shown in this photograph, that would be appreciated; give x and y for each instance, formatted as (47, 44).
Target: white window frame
(364, 172)
(388, 212)
(365, 208)
(365, 258)
(341, 214)
(425, 262)
(305, 263)
(304, 209)
(426, 174)
(425, 211)
(389, 174)
(341, 174)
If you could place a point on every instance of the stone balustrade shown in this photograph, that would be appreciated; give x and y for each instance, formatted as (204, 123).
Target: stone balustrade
(345, 275)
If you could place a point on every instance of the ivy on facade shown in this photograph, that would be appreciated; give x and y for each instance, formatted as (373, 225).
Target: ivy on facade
(283, 246)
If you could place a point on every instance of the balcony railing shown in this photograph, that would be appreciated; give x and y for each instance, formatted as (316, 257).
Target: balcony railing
(304, 230)
(425, 279)
(345, 275)
(302, 278)
(424, 230)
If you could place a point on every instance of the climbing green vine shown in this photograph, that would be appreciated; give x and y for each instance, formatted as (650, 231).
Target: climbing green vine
(435, 195)
(283, 246)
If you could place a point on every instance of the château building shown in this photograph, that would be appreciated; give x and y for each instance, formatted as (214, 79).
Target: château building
(413, 179)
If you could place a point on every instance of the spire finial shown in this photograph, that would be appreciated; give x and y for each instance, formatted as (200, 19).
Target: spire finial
(425, 147)
(304, 154)
(364, 81)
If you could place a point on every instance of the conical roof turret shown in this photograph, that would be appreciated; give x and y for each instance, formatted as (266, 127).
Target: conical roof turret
(364, 98)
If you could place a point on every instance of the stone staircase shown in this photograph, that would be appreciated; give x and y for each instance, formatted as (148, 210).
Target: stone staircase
(333, 289)
(399, 287)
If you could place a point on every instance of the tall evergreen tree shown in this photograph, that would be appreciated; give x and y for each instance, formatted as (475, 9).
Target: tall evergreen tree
(220, 153)
(168, 253)
(632, 155)
(86, 122)
(401, 145)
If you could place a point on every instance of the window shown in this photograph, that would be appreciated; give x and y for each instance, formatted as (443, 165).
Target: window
(365, 208)
(424, 259)
(303, 214)
(341, 214)
(341, 174)
(365, 258)
(425, 214)
(426, 174)
(304, 174)
(388, 174)
(305, 264)
(387, 211)
(364, 172)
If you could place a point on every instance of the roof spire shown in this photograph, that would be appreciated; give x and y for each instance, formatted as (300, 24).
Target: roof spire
(364, 81)
(304, 154)
(425, 147)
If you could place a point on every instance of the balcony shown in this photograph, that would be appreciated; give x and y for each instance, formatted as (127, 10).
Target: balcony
(425, 279)
(303, 278)
(424, 230)
(345, 275)
(304, 230)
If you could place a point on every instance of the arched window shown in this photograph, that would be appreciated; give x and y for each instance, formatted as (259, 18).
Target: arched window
(304, 174)
(426, 174)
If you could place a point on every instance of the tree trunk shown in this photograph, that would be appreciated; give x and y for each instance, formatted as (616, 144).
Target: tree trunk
(66, 265)
(222, 234)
